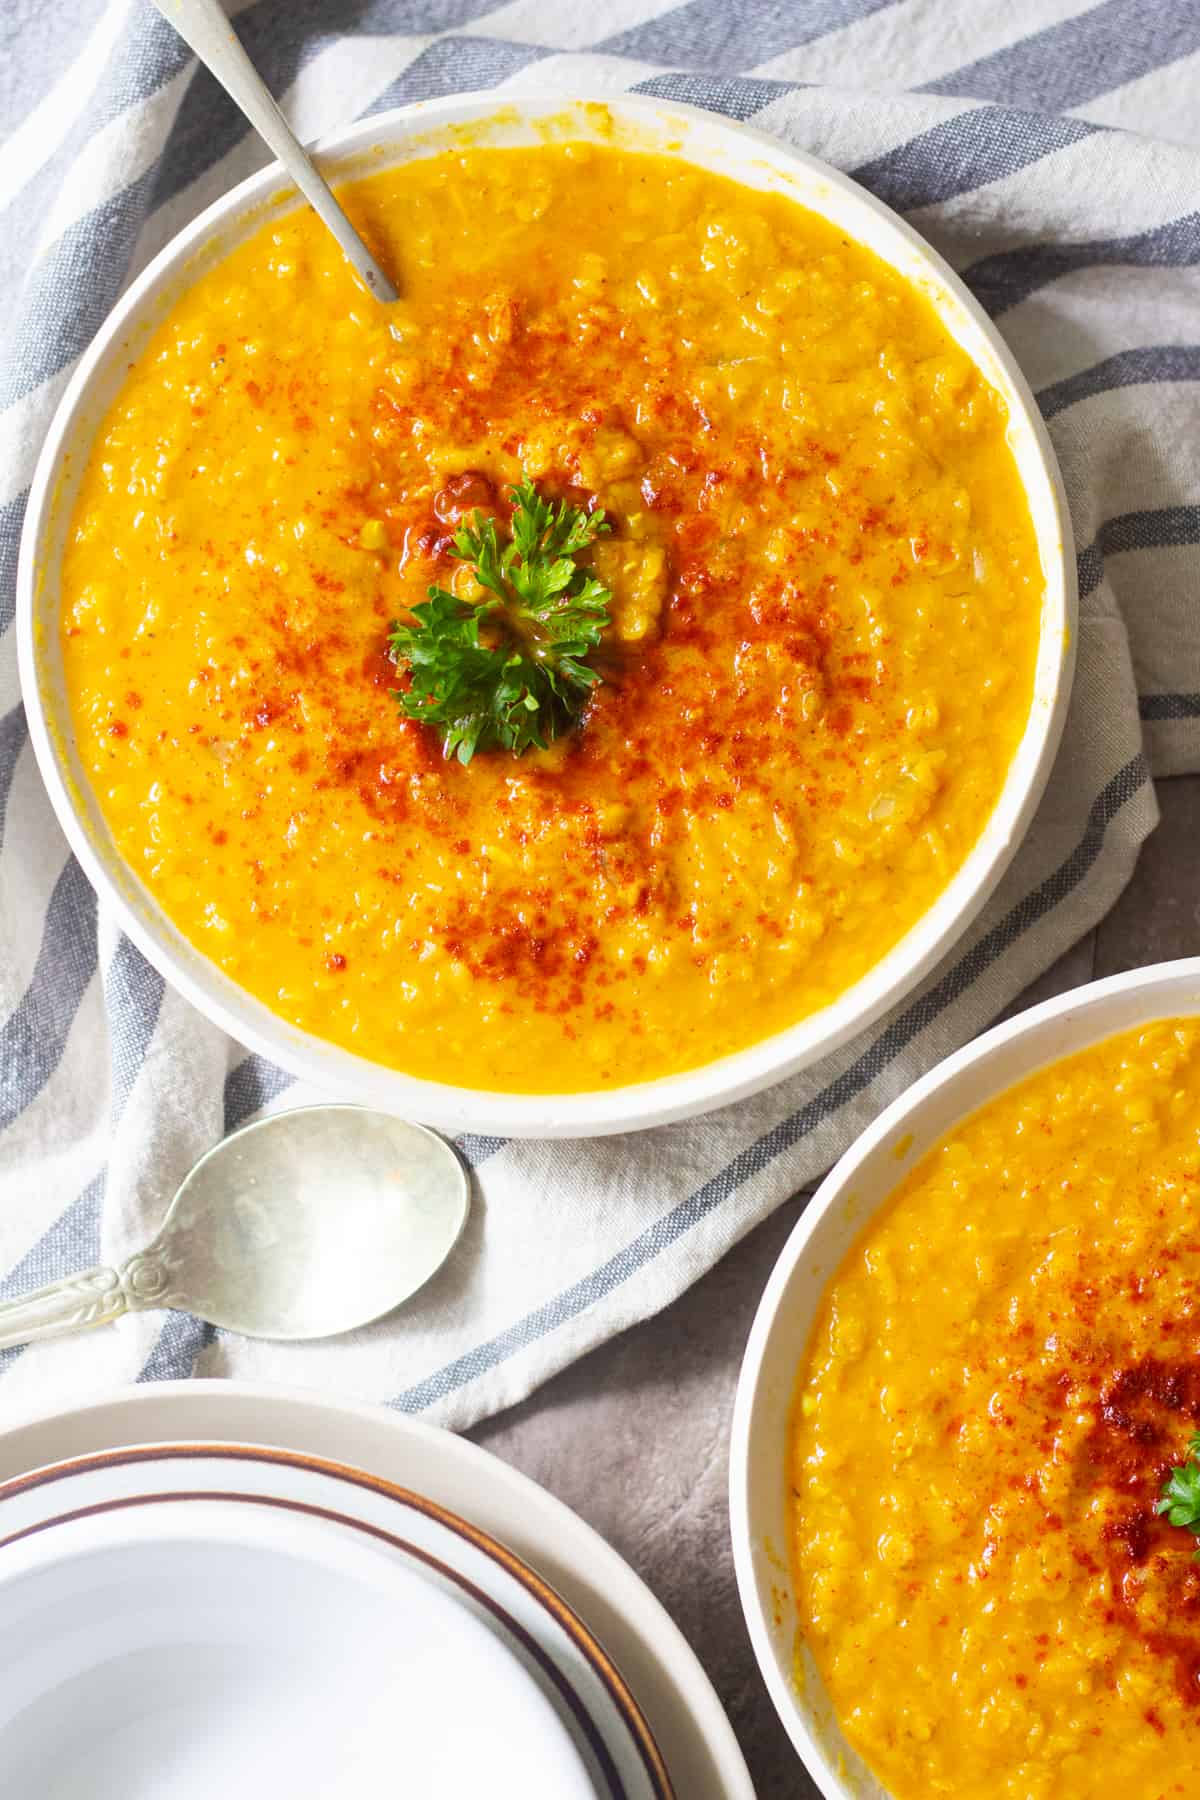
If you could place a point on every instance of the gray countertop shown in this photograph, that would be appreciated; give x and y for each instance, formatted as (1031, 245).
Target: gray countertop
(635, 1436)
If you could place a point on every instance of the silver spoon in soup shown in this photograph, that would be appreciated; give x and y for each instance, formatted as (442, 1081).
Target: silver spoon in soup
(203, 25)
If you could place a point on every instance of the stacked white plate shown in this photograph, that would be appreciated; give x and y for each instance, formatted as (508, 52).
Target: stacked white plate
(237, 1607)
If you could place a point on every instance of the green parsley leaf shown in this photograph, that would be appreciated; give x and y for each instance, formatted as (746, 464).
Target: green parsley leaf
(1181, 1492)
(511, 671)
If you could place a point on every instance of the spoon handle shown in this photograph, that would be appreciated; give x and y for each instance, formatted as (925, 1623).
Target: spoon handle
(204, 26)
(93, 1297)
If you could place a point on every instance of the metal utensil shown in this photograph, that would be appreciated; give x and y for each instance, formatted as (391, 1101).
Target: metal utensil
(203, 25)
(303, 1225)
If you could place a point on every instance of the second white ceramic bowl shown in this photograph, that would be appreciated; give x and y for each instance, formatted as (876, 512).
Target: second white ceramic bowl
(713, 143)
(857, 1187)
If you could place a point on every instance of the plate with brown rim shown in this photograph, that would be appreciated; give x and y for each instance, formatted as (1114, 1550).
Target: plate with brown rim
(183, 1610)
(679, 1701)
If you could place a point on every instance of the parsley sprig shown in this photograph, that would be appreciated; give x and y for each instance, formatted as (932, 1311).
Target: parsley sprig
(1181, 1492)
(512, 670)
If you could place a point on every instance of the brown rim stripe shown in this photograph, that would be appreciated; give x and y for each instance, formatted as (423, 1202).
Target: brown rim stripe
(569, 1620)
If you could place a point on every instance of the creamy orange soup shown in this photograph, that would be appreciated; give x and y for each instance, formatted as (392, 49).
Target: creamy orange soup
(826, 606)
(1001, 1376)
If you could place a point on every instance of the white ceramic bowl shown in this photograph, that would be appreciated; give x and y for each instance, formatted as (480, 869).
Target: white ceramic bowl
(714, 143)
(854, 1190)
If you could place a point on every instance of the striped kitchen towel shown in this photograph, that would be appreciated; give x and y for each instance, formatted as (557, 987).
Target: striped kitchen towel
(1051, 150)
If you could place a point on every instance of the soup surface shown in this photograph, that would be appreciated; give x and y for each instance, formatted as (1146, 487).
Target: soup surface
(826, 606)
(1000, 1378)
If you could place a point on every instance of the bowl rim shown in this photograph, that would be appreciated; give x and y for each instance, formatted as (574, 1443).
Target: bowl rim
(1085, 1010)
(708, 1086)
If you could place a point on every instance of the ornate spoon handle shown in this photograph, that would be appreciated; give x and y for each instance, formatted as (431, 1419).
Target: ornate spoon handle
(93, 1297)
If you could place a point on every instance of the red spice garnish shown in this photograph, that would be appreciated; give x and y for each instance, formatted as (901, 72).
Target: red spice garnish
(1145, 1410)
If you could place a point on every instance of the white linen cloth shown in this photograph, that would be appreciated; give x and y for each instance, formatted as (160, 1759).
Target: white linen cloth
(1051, 150)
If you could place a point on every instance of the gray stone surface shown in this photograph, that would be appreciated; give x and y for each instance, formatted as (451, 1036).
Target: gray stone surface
(635, 1436)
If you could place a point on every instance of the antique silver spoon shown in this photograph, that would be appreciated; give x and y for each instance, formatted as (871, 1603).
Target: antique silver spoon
(303, 1225)
(204, 27)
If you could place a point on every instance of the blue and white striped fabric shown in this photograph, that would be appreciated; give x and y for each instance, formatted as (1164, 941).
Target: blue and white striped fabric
(1051, 150)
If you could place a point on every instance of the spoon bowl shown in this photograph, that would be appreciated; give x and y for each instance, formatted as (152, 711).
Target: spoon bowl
(304, 1225)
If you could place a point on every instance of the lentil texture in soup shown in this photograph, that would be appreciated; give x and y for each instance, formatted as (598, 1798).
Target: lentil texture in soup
(825, 616)
(1001, 1376)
